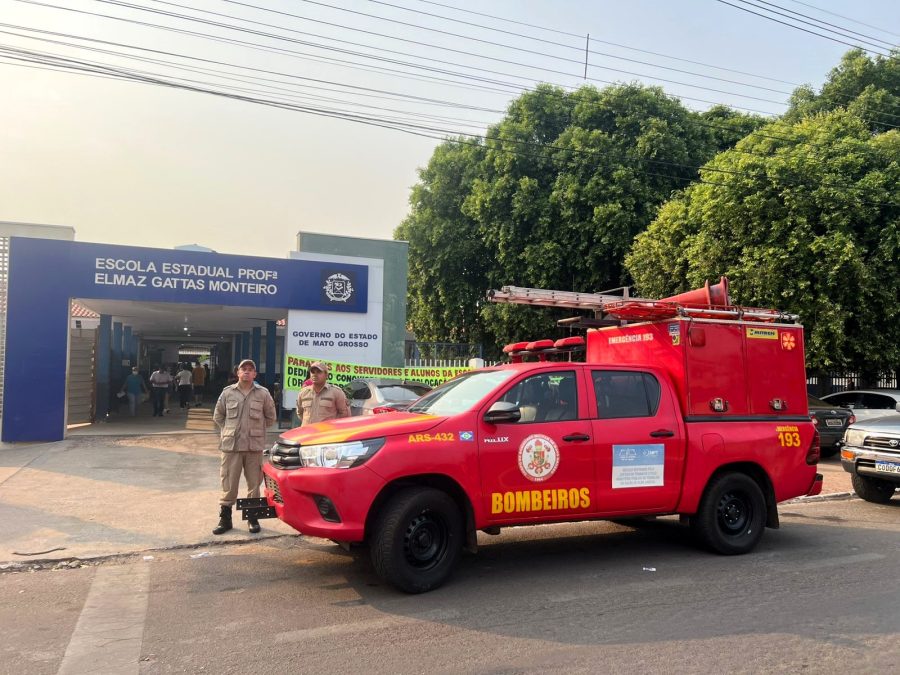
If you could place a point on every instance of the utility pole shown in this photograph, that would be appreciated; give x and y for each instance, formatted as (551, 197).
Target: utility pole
(587, 43)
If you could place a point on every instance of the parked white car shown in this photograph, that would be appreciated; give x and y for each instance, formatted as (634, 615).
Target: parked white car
(868, 404)
(373, 396)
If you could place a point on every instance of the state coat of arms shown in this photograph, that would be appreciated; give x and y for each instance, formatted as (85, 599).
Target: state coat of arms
(538, 457)
(338, 287)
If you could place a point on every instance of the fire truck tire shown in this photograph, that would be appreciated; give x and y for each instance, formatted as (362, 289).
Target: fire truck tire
(417, 539)
(872, 489)
(731, 516)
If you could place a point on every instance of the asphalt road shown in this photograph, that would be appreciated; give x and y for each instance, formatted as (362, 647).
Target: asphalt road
(821, 595)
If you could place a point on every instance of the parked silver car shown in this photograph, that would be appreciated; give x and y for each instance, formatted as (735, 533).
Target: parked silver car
(371, 396)
(871, 454)
(867, 404)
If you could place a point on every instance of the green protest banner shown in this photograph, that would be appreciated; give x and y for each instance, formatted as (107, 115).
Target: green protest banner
(341, 373)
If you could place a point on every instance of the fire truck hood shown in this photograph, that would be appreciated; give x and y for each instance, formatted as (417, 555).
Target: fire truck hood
(361, 428)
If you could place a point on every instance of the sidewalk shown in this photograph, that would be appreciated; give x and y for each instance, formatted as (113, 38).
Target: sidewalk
(94, 496)
(101, 495)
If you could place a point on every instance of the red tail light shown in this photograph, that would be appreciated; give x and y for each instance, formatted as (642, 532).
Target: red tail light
(852, 420)
(383, 409)
(815, 449)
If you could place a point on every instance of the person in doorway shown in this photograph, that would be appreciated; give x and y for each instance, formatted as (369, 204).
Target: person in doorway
(198, 380)
(160, 381)
(321, 401)
(134, 386)
(277, 394)
(184, 379)
(243, 413)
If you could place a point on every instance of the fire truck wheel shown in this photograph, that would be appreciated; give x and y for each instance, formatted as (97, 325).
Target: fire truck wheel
(732, 514)
(416, 539)
(872, 489)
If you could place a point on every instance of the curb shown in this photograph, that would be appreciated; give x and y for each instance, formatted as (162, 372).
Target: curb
(51, 563)
(833, 497)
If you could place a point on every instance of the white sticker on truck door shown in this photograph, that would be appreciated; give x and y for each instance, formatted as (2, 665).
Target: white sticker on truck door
(638, 465)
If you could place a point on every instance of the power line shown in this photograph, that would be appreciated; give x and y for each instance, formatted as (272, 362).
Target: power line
(579, 49)
(784, 23)
(614, 44)
(884, 44)
(504, 19)
(840, 16)
(277, 37)
(398, 124)
(412, 65)
(689, 120)
(533, 52)
(697, 122)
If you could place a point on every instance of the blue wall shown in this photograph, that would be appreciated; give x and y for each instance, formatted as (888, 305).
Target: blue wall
(45, 274)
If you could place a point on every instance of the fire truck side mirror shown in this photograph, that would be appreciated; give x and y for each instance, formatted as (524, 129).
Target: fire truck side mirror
(503, 411)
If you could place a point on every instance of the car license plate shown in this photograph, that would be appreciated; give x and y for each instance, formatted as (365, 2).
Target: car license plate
(887, 467)
(834, 423)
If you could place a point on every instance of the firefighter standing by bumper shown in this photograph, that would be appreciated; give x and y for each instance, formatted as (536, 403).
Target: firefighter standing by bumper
(243, 412)
(321, 401)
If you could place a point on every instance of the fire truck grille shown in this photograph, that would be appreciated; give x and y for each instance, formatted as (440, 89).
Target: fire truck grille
(273, 487)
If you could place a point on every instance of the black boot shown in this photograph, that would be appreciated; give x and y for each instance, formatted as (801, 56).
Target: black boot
(224, 520)
(253, 525)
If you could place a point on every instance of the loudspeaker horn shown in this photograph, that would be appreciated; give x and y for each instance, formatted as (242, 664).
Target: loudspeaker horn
(707, 295)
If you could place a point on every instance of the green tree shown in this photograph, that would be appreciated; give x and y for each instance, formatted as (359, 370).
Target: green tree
(552, 199)
(446, 257)
(866, 86)
(803, 217)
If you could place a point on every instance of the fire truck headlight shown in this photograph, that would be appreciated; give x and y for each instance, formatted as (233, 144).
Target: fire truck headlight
(340, 455)
(855, 437)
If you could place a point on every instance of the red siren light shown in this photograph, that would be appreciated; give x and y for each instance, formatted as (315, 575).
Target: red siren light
(706, 295)
(569, 342)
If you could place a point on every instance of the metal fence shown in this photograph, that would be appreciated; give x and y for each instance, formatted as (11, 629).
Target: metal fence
(433, 352)
(831, 383)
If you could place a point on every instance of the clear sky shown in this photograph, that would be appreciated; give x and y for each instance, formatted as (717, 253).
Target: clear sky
(148, 165)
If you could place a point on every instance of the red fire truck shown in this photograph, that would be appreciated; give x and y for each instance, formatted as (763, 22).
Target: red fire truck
(686, 406)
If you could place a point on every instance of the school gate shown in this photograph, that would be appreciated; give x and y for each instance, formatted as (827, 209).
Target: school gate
(44, 275)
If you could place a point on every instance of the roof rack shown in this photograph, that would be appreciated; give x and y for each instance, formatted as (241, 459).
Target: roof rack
(707, 302)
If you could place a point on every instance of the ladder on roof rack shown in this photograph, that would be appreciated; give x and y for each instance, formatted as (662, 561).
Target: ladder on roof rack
(540, 297)
(626, 308)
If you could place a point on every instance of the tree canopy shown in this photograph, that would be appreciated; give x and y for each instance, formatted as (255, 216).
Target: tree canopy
(802, 216)
(552, 199)
(809, 224)
(595, 189)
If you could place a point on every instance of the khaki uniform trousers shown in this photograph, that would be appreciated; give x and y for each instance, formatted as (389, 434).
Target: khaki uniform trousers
(232, 464)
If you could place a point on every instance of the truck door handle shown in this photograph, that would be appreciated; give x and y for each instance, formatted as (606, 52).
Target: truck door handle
(577, 437)
(662, 433)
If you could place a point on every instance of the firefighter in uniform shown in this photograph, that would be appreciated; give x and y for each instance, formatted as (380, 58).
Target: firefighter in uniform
(243, 413)
(320, 401)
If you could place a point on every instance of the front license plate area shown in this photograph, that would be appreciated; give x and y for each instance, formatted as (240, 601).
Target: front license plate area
(887, 467)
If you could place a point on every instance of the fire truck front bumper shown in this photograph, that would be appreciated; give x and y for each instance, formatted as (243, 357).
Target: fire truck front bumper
(323, 502)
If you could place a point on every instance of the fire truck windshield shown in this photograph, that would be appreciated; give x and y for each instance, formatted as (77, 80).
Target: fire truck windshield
(461, 393)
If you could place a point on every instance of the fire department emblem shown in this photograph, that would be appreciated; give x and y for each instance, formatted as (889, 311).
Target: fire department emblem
(788, 341)
(538, 457)
(338, 288)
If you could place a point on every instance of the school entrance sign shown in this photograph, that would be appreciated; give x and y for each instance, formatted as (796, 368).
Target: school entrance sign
(44, 275)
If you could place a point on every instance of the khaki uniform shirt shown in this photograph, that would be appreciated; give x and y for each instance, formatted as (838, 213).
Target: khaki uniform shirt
(328, 404)
(243, 419)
